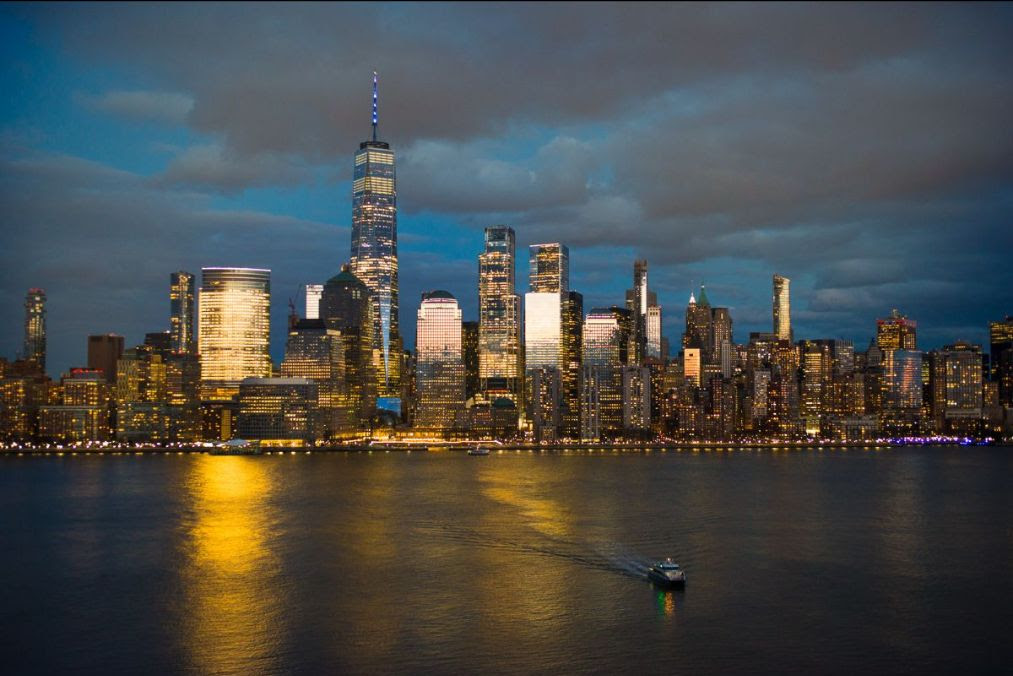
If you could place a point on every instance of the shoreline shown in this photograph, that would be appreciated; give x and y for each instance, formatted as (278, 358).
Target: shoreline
(463, 447)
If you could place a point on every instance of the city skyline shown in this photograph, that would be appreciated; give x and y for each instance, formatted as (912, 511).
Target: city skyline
(178, 184)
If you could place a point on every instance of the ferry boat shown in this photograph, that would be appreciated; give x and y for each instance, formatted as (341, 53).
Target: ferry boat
(478, 450)
(667, 573)
(236, 447)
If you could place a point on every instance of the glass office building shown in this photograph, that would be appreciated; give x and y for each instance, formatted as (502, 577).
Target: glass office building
(235, 329)
(374, 255)
(181, 316)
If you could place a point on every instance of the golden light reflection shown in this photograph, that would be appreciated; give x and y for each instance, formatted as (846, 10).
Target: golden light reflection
(544, 515)
(230, 577)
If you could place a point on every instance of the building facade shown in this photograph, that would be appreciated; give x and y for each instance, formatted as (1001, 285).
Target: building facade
(235, 329)
(182, 290)
(439, 370)
(499, 315)
(35, 328)
(374, 255)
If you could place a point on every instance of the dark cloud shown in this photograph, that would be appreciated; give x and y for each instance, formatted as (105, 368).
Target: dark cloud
(168, 107)
(863, 150)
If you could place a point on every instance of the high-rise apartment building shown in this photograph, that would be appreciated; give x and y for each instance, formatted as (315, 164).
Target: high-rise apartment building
(499, 315)
(103, 352)
(782, 308)
(35, 328)
(235, 329)
(374, 255)
(439, 369)
(182, 289)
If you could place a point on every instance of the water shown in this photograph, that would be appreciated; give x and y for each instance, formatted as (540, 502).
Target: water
(803, 561)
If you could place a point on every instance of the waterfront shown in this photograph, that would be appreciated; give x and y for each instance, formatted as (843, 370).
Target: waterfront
(804, 560)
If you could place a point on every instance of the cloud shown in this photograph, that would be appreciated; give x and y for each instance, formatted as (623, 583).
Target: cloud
(213, 167)
(863, 153)
(166, 107)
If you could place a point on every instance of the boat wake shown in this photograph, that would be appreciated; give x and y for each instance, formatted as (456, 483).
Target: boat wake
(611, 557)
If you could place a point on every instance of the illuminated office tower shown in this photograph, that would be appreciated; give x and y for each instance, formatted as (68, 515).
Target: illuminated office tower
(103, 352)
(640, 305)
(374, 256)
(439, 369)
(782, 308)
(280, 409)
(543, 304)
(235, 329)
(896, 332)
(345, 307)
(549, 268)
(816, 384)
(961, 387)
(326, 357)
(902, 391)
(699, 332)
(606, 350)
(1001, 353)
(313, 293)
(654, 336)
(141, 388)
(469, 354)
(691, 365)
(571, 363)
(182, 289)
(499, 314)
(35, 328)
(721, 332)
(552, 339)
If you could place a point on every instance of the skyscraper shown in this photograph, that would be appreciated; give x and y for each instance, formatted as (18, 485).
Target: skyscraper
(654, 335)
(181, 326)
(606, 350)
(374, 255)
(550, 268)
(345, 306)
(782, 308)
(313, 293)
(699, 326)
(499, 313)
(235, 329)
(35, 328)
(103, 352)
(326, 357)
(896, 332)
(640, 305)
(1001, 352)
(469, 354)
(440, 363)
(549, 283)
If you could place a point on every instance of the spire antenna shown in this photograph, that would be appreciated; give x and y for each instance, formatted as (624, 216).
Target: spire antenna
(376, 117)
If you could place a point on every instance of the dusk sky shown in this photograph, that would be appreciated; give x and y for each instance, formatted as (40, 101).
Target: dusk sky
(864, 151)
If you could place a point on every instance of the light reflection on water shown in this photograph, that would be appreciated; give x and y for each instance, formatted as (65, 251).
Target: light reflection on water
(805, 561)
(231, 572)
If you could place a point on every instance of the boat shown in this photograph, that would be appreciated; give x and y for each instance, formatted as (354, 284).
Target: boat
(478, 450)
(236, 447)
(667, 573)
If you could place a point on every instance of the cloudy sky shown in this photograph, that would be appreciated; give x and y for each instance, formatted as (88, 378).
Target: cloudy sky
(865, 151)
